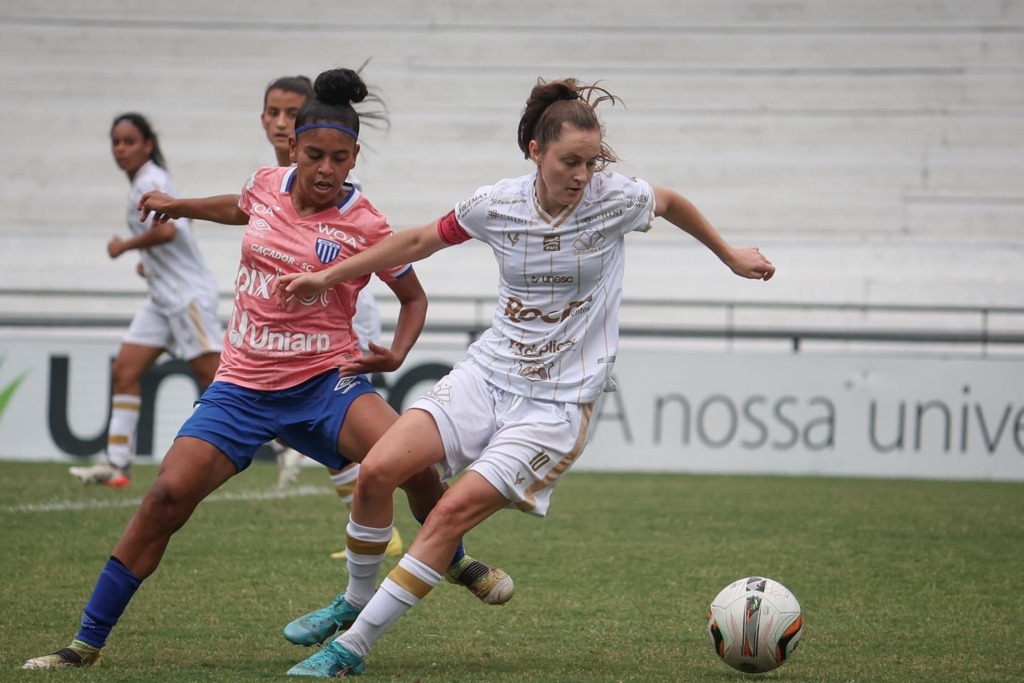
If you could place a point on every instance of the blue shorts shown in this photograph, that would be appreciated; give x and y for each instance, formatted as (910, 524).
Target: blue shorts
(307, 417)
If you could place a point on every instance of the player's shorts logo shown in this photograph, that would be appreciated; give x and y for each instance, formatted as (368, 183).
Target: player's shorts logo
(326, 250)
(440, 393)
(345, 384)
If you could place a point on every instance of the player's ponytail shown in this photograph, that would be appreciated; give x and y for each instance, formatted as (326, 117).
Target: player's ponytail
(553, 103)
(335, 91)
(148, 135)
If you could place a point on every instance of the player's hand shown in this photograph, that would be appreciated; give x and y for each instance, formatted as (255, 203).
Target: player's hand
(115, 247)
(140, 269)
(292, 286)
(379, 359)
(160, 204)
(750, 263)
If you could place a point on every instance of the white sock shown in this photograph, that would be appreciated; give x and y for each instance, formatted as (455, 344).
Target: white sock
(406, 585)
(345, 483)
(124, 419)
(364, 555)
(277, 447)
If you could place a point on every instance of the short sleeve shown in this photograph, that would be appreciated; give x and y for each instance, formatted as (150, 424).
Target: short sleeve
(245, 199)
(471, 214)
(639, 199)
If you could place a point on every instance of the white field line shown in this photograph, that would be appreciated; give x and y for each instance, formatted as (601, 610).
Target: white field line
(77, 505)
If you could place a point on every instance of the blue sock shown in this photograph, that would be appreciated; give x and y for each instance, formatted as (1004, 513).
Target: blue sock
(460, 552)
(113, 592)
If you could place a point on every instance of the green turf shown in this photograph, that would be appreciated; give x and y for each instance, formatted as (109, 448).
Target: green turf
(900, 581)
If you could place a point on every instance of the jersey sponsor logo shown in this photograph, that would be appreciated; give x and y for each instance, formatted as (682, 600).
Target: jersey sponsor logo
(262, 210)
(513, 238)
(505, 217)
(534, 351)
(326, 250)
(464, 207)
(518, 312)
(534, 371)
(588, 243)
(253, 282)
(267, 341)
(340, 235)
(508, 201)
(553, 243)
(611, 213)
(633, 201)
(256, 283)
(273, 254)
(550, 279)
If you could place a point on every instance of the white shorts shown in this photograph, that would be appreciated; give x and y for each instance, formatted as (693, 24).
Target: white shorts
(188, 334)
(521, 445)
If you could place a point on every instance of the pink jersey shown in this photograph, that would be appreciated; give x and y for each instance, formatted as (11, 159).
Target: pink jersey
(267, 348)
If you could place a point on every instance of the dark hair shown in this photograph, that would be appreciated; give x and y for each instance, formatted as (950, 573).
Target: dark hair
(300, 85)
(553, 103)
(335, 91)
(140, 122)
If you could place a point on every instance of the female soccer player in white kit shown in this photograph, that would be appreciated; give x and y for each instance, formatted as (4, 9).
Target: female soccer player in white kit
(180, 313)
(518, 412)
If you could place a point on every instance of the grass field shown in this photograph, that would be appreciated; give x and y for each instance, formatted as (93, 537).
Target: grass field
(899, 581)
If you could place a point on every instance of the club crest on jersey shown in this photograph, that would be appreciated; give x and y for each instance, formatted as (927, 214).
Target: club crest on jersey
(326, 250)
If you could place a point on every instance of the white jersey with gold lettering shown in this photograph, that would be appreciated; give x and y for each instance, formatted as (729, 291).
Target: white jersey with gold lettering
(555, 332)
(175, 271)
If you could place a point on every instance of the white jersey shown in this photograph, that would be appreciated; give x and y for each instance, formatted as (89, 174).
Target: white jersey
(176, 273)
(555, 332)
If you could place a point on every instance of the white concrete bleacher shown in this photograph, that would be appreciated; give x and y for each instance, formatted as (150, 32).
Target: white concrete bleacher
(875, 150)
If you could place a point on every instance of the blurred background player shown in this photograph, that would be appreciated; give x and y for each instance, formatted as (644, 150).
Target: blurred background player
(178, 316)
(282, 100)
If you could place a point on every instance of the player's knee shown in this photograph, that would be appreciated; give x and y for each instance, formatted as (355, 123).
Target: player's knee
(449, 518)
(125, 376)
(375, 481)
(165, 506)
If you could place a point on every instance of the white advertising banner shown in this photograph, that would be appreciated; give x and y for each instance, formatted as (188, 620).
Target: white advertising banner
(846, 415)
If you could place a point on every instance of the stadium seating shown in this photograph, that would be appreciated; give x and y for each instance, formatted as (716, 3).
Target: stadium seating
(875, 150)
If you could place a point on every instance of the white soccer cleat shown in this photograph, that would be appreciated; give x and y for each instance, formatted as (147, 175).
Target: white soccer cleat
(101, 473)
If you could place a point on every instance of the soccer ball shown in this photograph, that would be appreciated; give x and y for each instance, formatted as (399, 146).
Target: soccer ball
(754, 624)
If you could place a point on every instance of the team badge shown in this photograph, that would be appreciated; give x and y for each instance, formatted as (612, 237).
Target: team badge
(326, 250)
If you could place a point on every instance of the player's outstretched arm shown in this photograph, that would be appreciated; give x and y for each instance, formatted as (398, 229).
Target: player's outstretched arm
(219, 209)
(404, 247)
(746, 262)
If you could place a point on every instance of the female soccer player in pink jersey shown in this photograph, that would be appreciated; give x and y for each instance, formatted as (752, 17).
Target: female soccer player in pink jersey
(282, 101)
(520, 409)
(278, 375)
(180, 313)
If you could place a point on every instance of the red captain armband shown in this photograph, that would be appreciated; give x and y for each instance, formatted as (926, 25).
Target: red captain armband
(449, 230)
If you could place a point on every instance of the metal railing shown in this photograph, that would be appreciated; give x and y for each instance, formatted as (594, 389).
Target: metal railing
(975, 330)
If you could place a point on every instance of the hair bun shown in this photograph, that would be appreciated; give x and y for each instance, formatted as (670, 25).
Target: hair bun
(340, 87)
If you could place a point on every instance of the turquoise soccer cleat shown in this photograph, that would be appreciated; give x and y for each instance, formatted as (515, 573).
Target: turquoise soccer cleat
(334, 661)
(321, 625)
